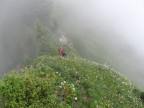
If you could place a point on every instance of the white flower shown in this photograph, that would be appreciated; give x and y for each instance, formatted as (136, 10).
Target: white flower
(75, 98)
(62, 83)
(72, 85)
(60, 86)
(73, 89)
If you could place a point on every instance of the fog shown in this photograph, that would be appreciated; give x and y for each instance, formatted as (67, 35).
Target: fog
(105, 31)
(112, 27)
(124, 17)
(17, 19)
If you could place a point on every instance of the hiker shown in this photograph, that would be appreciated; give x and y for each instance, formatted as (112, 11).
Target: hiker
(64, 54)
(61, 52)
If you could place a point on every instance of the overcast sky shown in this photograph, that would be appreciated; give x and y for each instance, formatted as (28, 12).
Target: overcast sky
(123, 19)
(126, 17)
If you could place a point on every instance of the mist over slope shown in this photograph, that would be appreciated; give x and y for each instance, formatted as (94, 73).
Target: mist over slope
(97, 35)
(31, 32)
(17, 20)
(92, 30)
(53, 81)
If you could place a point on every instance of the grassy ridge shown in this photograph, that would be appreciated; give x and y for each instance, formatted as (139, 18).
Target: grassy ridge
(51, 81)
(96, 85)
(55, 82)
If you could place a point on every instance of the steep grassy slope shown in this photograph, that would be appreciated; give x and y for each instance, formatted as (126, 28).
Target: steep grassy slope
(56, 82)
(51, 81)
(97, 40)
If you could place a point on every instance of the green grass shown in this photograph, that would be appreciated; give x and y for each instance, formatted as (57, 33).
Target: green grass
(51, 81)
(95, 84)
(72, 82)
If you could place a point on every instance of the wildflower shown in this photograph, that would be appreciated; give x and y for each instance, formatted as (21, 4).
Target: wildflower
(75, 98)
(72, 85)
(73, 89)
(60, 86)
(62, 83)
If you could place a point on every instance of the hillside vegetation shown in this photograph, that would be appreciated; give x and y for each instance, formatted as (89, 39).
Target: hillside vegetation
(55, 82)
(51, 81)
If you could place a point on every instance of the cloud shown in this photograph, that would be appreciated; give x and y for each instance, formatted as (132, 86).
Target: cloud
(114, 25)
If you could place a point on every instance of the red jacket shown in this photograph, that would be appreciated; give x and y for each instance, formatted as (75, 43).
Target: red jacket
(60, 50)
